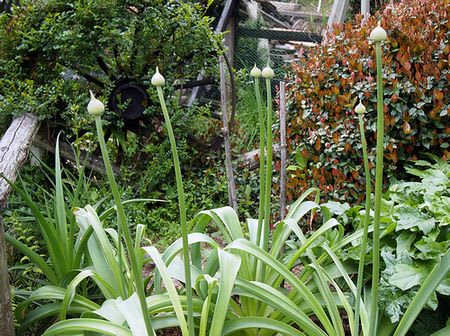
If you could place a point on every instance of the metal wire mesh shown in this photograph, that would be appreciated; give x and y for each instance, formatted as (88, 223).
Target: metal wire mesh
(274, 30)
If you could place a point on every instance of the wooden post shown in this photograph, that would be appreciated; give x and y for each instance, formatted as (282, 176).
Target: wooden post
(227, 12)
(228, 42)
(232, 200)
(338, 13)
(283, 146)
(365, 8)
(14, 147)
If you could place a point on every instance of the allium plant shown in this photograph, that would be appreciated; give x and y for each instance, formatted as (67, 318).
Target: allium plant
(249, 286)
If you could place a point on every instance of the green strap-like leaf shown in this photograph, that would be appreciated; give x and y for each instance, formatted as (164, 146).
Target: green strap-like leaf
(171, 290)
(34, 257)
(244, 323)
(229, 267)
(299, 286)
(68, 327)
(280, 303)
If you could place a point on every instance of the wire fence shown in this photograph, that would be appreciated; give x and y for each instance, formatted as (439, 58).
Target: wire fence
(275, 30)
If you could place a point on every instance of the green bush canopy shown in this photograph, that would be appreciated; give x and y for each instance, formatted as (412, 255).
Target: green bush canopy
(52, 51)
(329, 80)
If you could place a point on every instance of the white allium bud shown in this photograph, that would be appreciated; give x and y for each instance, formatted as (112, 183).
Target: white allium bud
(256, 72)
(95, 106)
(378, 34)
(158, 79)
(360, 108)
(267, 72)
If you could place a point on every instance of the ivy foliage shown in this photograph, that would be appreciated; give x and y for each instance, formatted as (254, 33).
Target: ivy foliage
(329, 80)
(51, 49)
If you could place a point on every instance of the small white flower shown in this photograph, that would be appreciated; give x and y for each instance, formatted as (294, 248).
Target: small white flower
(95, 106)
(158, 79)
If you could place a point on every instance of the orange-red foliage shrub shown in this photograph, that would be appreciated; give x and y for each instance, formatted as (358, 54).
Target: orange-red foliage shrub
(329, 79)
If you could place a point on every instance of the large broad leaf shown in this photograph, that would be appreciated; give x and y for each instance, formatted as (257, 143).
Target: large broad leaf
(407, 276)
(410, 218)
(425, 291)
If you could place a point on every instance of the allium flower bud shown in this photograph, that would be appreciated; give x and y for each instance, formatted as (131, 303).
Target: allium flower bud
(158, 79)
(95, 106)
(378, 34)
(267, 72)
(256, 72)
(360, 108)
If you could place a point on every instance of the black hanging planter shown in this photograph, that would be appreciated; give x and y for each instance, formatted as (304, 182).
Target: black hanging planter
(128, 99)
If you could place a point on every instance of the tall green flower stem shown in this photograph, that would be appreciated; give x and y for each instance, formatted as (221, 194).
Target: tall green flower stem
(95, 108)
(268, 73)
(360, 109)
(256, 74)
(158, 81)
(378, 35)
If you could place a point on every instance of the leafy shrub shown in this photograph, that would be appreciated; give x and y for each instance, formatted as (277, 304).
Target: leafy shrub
(416, 220)
(329, 79)
(49, 48)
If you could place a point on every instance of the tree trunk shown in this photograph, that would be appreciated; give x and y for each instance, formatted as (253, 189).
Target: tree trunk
(14, 148)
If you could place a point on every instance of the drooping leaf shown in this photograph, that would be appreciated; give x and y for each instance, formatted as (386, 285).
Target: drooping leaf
(410, 218)
(407, 276)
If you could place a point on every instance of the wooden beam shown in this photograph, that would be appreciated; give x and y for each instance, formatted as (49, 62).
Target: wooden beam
(251, 159)
(227, 11)
(66, 151)
(14, 147)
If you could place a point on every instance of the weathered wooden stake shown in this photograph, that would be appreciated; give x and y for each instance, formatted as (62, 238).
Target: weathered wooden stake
(232, 200)
(14, 148)
(283, 146)
(365, 8)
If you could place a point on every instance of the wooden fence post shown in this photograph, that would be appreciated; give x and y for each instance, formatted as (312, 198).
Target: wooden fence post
(232, 199)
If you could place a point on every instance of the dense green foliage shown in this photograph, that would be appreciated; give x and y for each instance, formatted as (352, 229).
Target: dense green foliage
(91, 269)
(415, 217)
(328, 80)
(50, 50)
